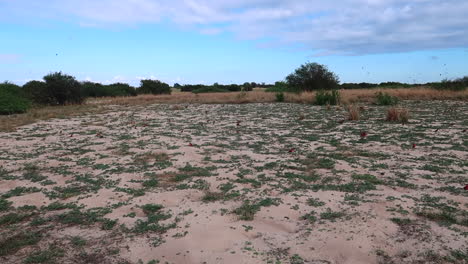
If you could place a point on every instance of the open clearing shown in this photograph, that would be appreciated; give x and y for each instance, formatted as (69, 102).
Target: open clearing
(248, 183)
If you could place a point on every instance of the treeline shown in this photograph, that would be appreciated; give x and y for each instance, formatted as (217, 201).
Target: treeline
(61, 89)
(216, 87)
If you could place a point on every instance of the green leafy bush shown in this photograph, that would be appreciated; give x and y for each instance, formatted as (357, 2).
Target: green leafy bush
(91, 89)
(153, 87)
(12, 100)
(313, 76)
(37, 92)
(63, 89)
(386, 99)
(327, 97)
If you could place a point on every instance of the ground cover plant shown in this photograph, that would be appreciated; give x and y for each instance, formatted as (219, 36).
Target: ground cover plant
(149, 183)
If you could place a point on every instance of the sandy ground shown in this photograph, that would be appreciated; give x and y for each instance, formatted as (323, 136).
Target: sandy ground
(316, 190)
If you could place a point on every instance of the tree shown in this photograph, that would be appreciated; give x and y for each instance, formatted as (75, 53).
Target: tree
(312, 76)
(154, 87)
(64, 89)
(37, 92)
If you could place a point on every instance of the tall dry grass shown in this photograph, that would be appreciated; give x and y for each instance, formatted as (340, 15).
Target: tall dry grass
(8, 123)
(257, 96)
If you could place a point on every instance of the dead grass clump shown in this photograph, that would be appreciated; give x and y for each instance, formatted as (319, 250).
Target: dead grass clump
(395, 114)
(354, 113)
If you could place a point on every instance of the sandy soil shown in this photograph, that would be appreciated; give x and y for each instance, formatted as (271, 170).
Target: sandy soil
(316, 191)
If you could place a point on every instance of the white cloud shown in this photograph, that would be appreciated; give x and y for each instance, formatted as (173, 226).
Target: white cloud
(321, 26)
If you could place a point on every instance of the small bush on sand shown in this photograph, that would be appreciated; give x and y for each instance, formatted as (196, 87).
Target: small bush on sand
(353, 113)
(398, 115)
(12, 100)
(327, 97)
(386, 99)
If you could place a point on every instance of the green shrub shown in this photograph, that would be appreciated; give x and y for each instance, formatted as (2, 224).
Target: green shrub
(12, 100)
(153, 87)
(280, 97)
(210, 89)
(91, 89)
(312, 76)
(386, 99)
(64, 89)
(37, 92)
(327, 97)
(281, 87)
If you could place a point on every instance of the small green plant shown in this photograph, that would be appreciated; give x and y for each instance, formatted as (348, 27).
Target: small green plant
(280, 97)
(315, 202)
(331, 97)
(149, 209)
(386, 99)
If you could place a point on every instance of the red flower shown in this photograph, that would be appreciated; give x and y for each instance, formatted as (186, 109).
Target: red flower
(414, 145)
(292, 150)
(466, 187)
(190, 145)
(363, 134)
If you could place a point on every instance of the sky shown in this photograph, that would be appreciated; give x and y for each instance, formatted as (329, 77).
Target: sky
(233, 41)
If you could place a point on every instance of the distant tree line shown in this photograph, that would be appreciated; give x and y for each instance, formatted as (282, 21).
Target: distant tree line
(61, 89)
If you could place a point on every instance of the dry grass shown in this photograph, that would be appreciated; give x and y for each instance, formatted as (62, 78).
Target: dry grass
(395, 114)
(354, 113)
(258, 96)
(9, 123)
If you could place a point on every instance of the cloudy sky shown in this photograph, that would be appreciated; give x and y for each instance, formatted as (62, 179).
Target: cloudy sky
(233, 41)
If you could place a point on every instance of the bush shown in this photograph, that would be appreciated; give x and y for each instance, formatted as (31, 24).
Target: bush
(209, 89)
(386, 99)
(12, 100)
(280, 97)
(312, 76)
(37, 92)
(153, 87)
(63, 89)
(120, 89)
(327, 97)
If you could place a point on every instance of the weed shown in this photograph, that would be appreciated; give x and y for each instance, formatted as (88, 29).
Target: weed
(150, 209)
(330, 215)
(315, 202)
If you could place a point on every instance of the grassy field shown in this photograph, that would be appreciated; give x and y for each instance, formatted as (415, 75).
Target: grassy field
(190, 180)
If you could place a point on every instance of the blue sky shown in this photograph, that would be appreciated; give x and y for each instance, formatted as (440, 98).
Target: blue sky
(233, 41)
